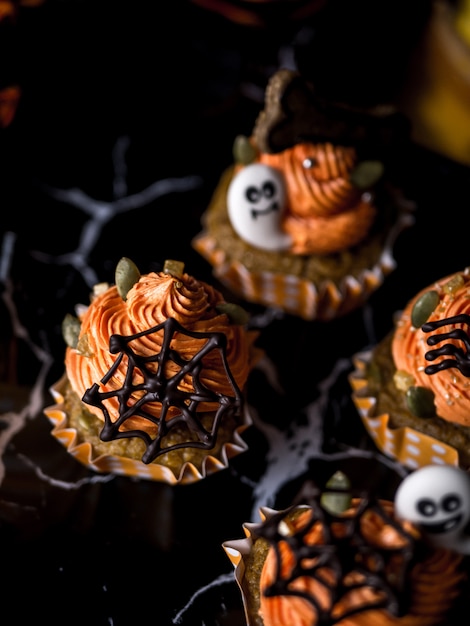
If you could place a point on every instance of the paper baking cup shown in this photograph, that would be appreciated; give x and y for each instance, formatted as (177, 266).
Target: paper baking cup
(83, 452)
(238, 550)
(404, 444)
(298, 296)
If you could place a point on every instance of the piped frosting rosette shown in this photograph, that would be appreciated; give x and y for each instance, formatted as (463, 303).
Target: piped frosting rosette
(429, 378)
(152, 356)
(342, 560)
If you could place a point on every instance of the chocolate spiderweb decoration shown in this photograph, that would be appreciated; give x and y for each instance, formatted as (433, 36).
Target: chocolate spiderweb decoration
(156, 387)
(342, 553)
(461, 358)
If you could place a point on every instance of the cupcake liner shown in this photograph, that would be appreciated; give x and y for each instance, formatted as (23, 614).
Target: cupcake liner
(113, 464)
(238, 550)
(299, 296)
(408, 446)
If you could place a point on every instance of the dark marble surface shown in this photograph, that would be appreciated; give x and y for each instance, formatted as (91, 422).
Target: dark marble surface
(126, 120)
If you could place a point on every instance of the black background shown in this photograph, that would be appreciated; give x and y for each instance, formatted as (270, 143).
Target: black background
(175, 82)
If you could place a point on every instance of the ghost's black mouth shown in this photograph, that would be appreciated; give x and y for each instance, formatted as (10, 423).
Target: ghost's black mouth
(270, 209)
(443, 527)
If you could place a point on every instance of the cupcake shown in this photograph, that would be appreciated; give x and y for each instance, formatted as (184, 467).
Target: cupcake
(155, 372)
(345, 557)
(306, 216)
(412, 389)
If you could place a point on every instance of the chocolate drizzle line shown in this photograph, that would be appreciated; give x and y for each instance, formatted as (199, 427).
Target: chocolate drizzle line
(157, 388)
(461, 358)
(342, 553)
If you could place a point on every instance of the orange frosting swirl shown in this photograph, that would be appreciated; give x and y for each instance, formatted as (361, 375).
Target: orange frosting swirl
(155, 298)
(433, 584)
(325, 212)
(450, 387)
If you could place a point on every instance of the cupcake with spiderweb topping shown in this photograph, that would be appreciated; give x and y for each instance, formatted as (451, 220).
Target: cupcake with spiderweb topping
(345, 556)
(155, 372)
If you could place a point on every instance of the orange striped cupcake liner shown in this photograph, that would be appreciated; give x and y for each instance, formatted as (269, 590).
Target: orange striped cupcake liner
(299, 296)
(408, 446)
(112, 464)
(238, 551)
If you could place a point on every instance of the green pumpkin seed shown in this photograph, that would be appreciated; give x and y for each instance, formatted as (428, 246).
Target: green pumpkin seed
(235, 313)
(336, 502)
(243, 151)
(423, 308)
(126, 276)
(420, 401)
(71, 330)
(366, 174)
(175, 268)
(83, 346)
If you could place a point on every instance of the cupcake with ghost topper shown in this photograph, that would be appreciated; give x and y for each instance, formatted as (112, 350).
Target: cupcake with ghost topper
(346, 555)
(156, 368)
(306, 217)
(412, 389)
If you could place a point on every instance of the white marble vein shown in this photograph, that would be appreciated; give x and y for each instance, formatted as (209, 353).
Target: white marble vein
(101, 212)
(223, 579)
(15, 421)
(289, 455)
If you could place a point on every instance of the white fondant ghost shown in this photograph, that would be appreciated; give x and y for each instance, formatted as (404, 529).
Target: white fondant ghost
(255, 201)
(437, 499)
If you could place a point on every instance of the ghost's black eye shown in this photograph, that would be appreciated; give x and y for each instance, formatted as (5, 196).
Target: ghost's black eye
(268, 189)
(253, 194)
(451, 502)
(426, 507)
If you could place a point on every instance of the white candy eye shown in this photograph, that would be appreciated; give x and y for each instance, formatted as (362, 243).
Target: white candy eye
(269, 190)
(426, 507)
(256, 199)
(451, 502)
(253, 194)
